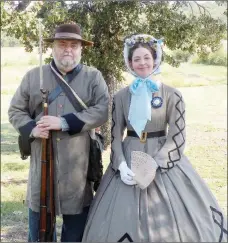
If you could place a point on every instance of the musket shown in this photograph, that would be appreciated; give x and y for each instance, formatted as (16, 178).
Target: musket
(47, 203)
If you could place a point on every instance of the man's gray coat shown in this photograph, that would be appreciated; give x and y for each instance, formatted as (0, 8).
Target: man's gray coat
(71, 149)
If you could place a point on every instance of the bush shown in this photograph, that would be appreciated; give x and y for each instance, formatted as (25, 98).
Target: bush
(181, 56)
(218, 58)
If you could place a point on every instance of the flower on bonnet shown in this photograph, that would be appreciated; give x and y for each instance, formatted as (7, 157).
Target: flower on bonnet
(143, 39)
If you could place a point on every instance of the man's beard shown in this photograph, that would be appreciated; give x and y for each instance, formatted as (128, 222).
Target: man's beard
(66, 65)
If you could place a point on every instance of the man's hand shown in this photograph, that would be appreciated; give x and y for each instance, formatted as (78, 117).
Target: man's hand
(49, 123)
(39, 132)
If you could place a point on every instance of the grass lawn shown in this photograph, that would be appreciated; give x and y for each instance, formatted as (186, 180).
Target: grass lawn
(206, 125)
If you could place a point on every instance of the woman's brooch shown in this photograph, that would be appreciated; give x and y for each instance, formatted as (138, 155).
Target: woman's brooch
(156, 102)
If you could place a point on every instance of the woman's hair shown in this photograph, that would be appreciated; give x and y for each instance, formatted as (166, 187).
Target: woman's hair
(145, 45)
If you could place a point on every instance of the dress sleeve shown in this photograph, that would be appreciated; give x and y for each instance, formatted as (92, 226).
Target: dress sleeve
(117, 132)
(172, 151)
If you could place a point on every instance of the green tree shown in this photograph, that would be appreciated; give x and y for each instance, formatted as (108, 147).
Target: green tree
(107, 22)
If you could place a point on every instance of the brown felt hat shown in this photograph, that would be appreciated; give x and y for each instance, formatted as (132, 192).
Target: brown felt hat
(68, 32)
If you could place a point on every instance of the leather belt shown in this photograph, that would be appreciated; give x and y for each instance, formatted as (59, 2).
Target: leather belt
(146, 135)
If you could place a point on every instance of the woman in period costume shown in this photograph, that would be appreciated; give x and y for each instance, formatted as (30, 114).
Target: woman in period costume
(176, 205)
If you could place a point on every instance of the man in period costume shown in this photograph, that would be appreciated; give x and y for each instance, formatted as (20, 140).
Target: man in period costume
(71, 141)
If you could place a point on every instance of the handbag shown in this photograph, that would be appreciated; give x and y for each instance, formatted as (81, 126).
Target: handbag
(95, 166)
(24, 147)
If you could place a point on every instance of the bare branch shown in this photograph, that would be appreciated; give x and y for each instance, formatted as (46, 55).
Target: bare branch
(179, 4)
(202, 7)
(191, 8)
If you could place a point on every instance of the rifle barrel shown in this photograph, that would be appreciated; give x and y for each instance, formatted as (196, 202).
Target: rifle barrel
(47, 208)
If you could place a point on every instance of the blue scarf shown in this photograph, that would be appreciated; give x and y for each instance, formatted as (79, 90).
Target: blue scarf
(140, 107)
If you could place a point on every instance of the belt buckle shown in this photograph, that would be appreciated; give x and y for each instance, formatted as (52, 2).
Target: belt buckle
(143, 137)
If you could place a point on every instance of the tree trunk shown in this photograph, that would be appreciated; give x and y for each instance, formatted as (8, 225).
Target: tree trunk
(112, 84)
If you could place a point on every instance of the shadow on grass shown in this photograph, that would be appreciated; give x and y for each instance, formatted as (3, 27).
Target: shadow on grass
(14, 222)
(12, 181)
(15, 234)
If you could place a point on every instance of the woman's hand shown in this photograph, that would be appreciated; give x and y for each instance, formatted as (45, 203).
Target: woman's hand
(126, 174)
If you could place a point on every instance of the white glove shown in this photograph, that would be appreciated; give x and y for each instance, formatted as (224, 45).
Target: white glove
(126, 174)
